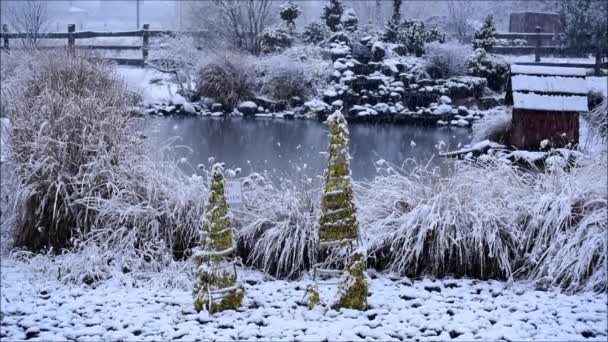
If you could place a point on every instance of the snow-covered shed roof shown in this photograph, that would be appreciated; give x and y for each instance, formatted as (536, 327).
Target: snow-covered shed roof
(550, 84)
(547, 70)
(548, 88)
(556, 103)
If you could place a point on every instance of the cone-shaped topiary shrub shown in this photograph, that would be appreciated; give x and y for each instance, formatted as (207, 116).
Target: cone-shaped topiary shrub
(338, 227)
(216, 287)
(485, 37)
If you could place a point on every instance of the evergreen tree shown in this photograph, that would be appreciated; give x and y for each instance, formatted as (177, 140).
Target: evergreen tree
(396, 18)
(485, 37)
(289, 12)
(216, 287)
(338, 225)
(350, 21)
(314, 33)
(391, 31)
(332, 14)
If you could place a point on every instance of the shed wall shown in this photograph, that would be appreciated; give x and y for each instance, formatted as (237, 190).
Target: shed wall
(530, 127)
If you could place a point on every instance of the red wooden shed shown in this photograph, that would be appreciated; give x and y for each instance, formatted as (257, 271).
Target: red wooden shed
(547, 102)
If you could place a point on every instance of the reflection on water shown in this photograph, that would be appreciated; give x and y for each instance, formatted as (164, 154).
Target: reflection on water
(282, 146)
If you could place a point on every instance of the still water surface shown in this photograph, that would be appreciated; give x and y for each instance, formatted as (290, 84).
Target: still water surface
(285, 147)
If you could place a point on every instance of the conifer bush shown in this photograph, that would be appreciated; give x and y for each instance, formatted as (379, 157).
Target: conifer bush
(338, 226)
(485, 37)
(332, 14)
(216, 287)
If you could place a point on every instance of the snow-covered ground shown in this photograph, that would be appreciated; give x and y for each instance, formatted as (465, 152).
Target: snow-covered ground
(128, 310)
(548, 59)
(151, 84)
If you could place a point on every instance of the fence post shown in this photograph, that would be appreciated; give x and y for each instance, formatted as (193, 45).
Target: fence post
(71, 39)
(145, 42)
(538, 41)
(5, 38)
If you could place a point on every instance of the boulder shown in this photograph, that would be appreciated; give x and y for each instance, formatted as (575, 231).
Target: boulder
(295, 101)
(488, 102)
(361, 53)
(248, 108)
(272, 106)
(217, 107)
(378, 52)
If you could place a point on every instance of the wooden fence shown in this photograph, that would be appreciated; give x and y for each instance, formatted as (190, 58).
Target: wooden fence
(71, 36)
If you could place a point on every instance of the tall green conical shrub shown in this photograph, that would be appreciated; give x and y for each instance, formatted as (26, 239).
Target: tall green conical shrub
(216, 287)
(338, 227)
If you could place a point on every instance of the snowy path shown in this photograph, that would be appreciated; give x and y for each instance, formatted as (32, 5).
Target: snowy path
(426, 310)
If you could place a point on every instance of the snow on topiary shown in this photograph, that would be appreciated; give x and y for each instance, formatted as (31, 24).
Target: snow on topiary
(338, 227)
(350, 21)
(289, 12)
(494, 69)
(332, 14)
(314, 33)
(216, 287)
(274, 39)
(485, 37)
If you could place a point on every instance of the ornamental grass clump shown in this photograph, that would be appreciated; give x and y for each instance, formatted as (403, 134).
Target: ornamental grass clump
(216, 287)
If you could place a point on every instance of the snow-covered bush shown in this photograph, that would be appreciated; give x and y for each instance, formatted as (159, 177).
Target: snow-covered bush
(412, 34)
(216, 288)
(274, 39)
(227, 77)
(286, 81)
(314, 33)
(485, 37)
(350, 21)
(82, 172)
(69, 132)
(177, 56)
(279, 225)
(564, 241)
(421, 222)
(493, 68)
(494, 126)
(446, 60)
(289, 12)
(298, 71)
(332, 14)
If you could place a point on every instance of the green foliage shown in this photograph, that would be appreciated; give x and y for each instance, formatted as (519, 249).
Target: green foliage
(350, 21)
(332, 14)
(485, 37)
(312, 293)
(586, 25)
(495, 70)
(289, 12)
(274, 39)
(338, 213)
(412, 34)
(315, 32)
(353, 291)
(215, 273)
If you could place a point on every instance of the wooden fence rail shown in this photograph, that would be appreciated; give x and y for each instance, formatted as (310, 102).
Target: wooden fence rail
(71, 36)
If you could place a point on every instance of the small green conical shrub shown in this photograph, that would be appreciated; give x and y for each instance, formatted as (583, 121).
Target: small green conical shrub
(338, 227)
(216, 287)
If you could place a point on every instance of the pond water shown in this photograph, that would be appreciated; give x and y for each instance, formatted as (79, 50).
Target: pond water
(285, 147)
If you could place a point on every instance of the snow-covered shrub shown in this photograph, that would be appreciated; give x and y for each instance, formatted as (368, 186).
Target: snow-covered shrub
(286, 81)
(493, 68)
(485, 37)
(446, 60)
(298, 71)
(278, 225)
(412, 34)
(421, 222)
(494, 126)
(598, 119)
(214, 257)
(350, 21)
(226, 77)
(332, 14)
(338, 224)
(178, 56)
(289, 12)
(13, 68)
(315, 32)
(82, 172)
(564, 242)
(69, 134)
(274, 39)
